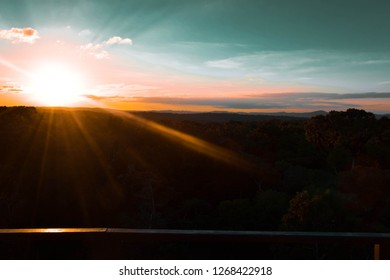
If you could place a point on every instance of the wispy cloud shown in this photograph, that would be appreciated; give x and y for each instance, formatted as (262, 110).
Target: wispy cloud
(119, 40)
(312, 96)
(367, 95)
(271, 101)
(98, 50)
(335, 70)
(329, 96)
(373, 62)
(103, 98)
(19, 35)
(95, 50)
(252, 103)
(9, 88)
(271, 61)
(224, 64)
(85, 33)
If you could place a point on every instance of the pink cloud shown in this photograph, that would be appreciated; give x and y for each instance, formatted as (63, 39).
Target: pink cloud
(119, 40)
(19, 35)
(9, 87)
(98, 50)
(95, 50)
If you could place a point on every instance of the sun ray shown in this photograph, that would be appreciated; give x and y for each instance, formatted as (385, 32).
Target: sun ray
(97, 152)
(14, 67)
(189, 141)
(43, 164)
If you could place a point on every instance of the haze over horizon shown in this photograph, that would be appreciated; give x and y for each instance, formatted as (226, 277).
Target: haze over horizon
(227, 55)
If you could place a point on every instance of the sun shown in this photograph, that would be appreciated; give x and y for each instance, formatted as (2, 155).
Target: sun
(56, 84)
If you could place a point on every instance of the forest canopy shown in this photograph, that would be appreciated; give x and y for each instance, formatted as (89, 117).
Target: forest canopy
(90, 167)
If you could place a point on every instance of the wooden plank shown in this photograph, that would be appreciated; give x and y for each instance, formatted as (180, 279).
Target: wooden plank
(376, 251)
(52, 230)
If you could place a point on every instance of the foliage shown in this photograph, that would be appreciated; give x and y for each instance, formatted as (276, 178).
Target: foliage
(86, 167)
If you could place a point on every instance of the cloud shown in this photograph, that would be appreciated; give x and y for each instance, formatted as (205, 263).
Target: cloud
(224, 64)
(9, 88)
(329, 70)
(270, 101)
(100, 98)
(19, 35)
(374, 61)
(85, 33)
(276, 101)
(95, 50)
(221, 103)
(331, 96)
(314, 101)
(98, 50)
(321, 95)
(218, 103)
(119, 40)
(273, 61)
(359, 95)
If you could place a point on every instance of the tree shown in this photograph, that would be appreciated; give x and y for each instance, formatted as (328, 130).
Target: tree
(350, 130)
(322, 211)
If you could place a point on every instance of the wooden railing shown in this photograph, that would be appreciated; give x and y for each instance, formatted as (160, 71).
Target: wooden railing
(108, 243)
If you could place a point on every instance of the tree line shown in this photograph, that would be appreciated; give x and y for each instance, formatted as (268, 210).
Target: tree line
(92, 168)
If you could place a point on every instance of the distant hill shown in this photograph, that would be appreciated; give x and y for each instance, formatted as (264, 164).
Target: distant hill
(306, 115)
(225, 116)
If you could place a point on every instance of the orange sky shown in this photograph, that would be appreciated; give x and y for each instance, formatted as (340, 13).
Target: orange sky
(110, 73)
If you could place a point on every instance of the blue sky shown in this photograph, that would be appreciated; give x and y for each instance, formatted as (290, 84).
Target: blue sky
(248, 55)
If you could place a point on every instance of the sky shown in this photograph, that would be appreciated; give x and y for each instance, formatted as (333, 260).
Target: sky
(196, 55)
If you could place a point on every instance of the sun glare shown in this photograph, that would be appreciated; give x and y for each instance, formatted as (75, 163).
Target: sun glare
(56, 85)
